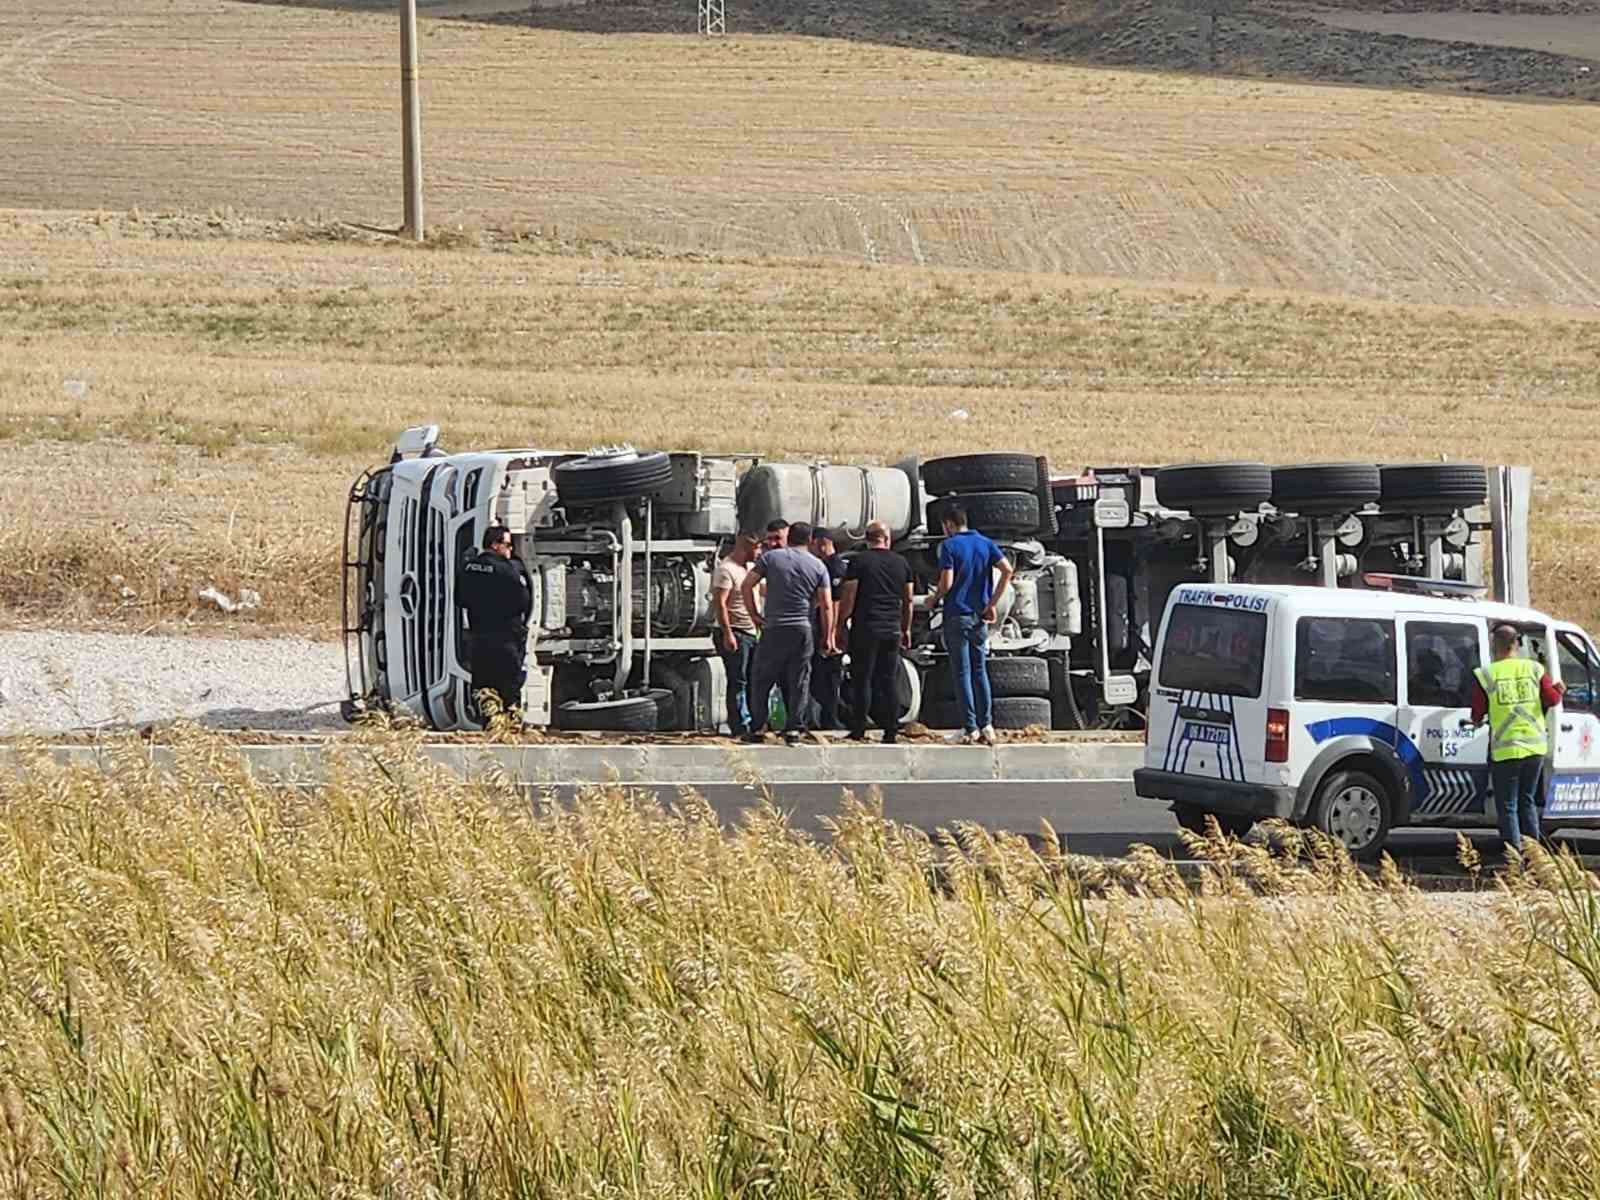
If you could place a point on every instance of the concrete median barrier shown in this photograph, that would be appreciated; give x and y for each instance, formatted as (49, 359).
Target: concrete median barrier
(708, 765)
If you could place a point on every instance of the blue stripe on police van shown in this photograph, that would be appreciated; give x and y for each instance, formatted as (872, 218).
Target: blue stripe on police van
(1172, 734)
(1410, 756)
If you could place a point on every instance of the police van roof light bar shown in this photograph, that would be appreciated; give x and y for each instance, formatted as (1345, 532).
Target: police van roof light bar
(1413, 585)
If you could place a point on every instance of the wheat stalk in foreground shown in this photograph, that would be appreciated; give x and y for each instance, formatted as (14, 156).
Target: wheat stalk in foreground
(403, 984)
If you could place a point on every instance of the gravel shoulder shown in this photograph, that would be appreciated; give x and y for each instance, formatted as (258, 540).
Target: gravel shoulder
(52, 682)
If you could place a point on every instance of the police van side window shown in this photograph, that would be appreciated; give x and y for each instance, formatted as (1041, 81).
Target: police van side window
(1344, 659)
(1577, 672)
(1214, 649)
(1440, 659)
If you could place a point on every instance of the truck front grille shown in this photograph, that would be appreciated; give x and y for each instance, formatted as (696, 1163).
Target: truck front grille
(435, 606)
(410, 668)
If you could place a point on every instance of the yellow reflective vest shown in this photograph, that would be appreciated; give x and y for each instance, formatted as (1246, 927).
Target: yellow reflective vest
(1516, 712)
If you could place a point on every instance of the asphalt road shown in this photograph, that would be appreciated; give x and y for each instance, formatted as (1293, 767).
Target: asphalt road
(1100, 818)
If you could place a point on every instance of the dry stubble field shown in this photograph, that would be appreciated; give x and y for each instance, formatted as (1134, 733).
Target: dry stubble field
(785, 245)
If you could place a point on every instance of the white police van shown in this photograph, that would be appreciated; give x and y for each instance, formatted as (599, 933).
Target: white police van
(1349, 709)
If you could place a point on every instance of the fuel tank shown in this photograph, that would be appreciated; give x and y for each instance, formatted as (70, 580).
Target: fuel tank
(846, 497)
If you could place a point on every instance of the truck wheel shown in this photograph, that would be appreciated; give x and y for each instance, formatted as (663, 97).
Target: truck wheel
(980, 473)
(1193, 819)
(625, 475)
(1012, 675)
(634, 714)
(1215, 489)
(990, 512)
(1021, 712)
(1316, 489)
(1354, 809)
(1434, 487)
(1010, 712)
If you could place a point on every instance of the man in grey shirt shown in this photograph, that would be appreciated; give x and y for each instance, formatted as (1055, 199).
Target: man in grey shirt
(797, 582)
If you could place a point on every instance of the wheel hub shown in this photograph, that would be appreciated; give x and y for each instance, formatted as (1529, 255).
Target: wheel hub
(1355, 817)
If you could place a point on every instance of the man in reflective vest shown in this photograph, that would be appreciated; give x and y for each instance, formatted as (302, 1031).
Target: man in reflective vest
(1514, 693)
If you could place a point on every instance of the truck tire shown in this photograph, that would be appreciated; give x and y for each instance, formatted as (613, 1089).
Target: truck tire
(1021, 712)
(1009, 712)
(1433, 487)
(1317, 489)
(1215, 489)
(990, 512)
(633, 714)
(962, 473)
(1355, 810)
(1193, 819)
(597, 478)
(1012, 675)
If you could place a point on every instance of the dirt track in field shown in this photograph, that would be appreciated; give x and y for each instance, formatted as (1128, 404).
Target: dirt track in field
(802, 147)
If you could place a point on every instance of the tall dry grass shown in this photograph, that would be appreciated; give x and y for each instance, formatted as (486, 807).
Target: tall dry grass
(409, 985)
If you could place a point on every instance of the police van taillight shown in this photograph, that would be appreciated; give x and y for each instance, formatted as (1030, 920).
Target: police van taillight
(1277, 735)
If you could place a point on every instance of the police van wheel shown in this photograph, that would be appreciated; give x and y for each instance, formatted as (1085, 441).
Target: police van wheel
(1353, 809)
(1193, 819)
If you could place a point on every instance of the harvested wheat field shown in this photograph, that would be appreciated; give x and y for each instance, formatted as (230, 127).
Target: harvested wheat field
(412, 986)
(784, 245)
(225, 389)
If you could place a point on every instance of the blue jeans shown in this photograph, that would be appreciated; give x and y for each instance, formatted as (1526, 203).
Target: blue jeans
(966, 640)
(736, 663)
(1516, 795)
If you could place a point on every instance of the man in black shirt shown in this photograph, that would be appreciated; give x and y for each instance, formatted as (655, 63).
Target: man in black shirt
(827, 667)
(876, 605)
(495, 590)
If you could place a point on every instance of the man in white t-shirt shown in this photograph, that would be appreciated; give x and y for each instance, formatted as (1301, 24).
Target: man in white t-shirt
(736, 632)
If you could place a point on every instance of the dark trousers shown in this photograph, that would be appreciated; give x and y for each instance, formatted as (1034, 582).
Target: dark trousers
(737, 663)
(874, 684)
(1516, 795)
(782, 655)
(497, 666)
(827, 675)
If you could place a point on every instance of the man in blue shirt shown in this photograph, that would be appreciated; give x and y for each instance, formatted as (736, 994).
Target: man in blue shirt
(967, 586)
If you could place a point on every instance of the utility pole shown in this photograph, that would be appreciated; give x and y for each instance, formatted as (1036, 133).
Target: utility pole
(410, 121)
(712, 18)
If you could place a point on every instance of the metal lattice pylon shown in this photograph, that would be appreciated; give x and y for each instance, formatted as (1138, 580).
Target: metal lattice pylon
(713, 20)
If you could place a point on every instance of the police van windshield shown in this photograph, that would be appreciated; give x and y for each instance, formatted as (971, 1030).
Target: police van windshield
(1214, 649)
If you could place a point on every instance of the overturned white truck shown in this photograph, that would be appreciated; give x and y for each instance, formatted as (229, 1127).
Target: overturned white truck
(620, 546)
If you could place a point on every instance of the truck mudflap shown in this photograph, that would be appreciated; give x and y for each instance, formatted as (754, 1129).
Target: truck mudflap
(1258, 800)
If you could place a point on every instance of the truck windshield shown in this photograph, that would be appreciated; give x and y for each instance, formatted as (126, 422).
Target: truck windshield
(1216, 650)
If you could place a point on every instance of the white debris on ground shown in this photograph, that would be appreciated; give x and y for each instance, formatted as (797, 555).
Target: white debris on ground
(57, 681)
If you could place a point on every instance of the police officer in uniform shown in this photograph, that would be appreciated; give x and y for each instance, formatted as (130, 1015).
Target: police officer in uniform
(497, 594)
(1514, 693)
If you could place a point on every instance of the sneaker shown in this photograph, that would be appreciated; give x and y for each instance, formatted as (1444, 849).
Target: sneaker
(853, 736)
(890, 739)
(793, 737)
(753, 738)
(988, 736)
(965, 737)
